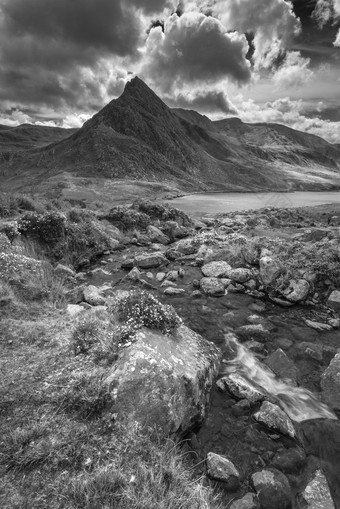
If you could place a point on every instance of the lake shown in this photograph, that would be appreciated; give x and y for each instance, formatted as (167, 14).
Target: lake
(212, 203)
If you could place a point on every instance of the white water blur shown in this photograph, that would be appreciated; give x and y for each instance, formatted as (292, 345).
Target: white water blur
(298, 403)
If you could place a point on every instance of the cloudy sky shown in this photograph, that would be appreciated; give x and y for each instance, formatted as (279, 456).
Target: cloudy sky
(262, 60)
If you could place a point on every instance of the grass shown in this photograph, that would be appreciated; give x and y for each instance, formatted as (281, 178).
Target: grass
(60, 446)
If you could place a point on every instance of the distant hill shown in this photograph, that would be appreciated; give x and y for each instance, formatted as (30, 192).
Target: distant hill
(138, 137)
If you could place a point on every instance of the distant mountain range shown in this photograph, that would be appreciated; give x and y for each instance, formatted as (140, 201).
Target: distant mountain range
(138, 137)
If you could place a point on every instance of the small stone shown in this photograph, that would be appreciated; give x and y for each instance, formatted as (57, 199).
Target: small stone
(274, 418)
(253, 331)
(240, 388)
(317, 493)
(127, 263)
(172, 275)
(216, 269)
(160, 276)
(93, 297)
(297, 290)
(173, 291)
(222, 469)
(334, 300)
(212, 286)
(134, 274)
(246, 502)
(240, 275)
(63, 270)
(181, 272)
(196, 294)
(273, 489)
(148, 261)
(149, 275)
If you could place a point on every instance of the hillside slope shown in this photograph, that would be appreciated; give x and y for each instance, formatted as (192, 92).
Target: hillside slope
(138, 137)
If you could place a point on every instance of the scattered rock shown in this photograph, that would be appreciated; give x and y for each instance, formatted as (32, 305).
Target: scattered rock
(173, 291)
(240, 388)
(216, 269)
(297, 290)
(148, 261)
(274, 418)
(317, 494)
(220, 468)
(134, 274)
(330, 383)
(127, 263)
(156, 235)
(240, 275)
(246, 502)
(212, 286)
(93, 297)
(160, 276)
(172, 275)
(334, 300)
(270, 269)
(273, 489)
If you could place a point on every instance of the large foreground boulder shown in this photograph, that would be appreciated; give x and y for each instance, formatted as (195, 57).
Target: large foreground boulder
(165, 381)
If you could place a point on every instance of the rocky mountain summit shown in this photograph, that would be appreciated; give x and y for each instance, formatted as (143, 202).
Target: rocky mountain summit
(138, 137)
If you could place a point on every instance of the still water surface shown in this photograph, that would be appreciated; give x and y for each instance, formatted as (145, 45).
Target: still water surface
(227, 202)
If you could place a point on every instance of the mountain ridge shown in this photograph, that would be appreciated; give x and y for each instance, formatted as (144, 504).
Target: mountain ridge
(137, 136)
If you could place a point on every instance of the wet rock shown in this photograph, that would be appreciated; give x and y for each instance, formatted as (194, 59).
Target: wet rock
(330, 383)
(253, 331)
(273, 489)
(289, 460)
(134, 274)
(216, 269)
(240, 388)
(247, 502)
(317, 494)
(241, 408)
(156, 235)
(164, 381)
(334, 300)
(274, 418)
(312, 350)
(171, 291)
(212, 286)
(297, 290)
(270, 269)
(221, 469)
(148, 261)
(240, 275)
(93, 297)
(282, 366)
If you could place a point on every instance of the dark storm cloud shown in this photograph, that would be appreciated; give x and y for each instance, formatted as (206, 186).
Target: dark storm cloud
(195, 48)
(90, 24)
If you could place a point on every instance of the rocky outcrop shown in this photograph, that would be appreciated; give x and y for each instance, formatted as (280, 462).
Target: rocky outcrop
(165, 381)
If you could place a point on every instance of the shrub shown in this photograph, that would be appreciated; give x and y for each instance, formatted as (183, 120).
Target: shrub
(139, 309)
(164, 213)
(126, 218)
(47, 228)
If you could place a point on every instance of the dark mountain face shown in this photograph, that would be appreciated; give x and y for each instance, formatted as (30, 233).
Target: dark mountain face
(138, 137)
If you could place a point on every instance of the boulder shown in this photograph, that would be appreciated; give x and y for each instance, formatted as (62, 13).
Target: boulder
(240, 388)
(212, 286)
(246, 502)
(274, 418)
(221, 469)
(149, 260)
(270, 269)
(289, 460)
(156, 235)
(282, 366)
(164, 381)
(240, 275)
(317, 494)
(297, 290)
(330, 383)
(216, 269)
(93, 297)
(334, 300)
(273, 489)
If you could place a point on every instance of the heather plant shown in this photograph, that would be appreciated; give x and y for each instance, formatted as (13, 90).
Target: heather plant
(127, 218)
(162, 212)
(138, 309)
(48, 228)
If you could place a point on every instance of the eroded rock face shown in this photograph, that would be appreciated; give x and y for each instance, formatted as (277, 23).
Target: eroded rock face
(273, 489)
(317, 494)
(165, 381)
(330, 383)
(222, 469)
